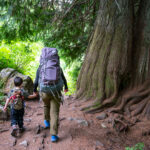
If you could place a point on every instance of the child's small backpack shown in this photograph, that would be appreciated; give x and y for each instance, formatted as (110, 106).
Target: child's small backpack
(50, 71)
(17, 99)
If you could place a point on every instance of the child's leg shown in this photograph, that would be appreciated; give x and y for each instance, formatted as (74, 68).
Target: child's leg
(13, 122)
(20, 118)
(13, 117)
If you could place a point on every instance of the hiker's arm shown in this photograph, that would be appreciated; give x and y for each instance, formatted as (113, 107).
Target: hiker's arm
(65, 81)
(6, 104)
(27, 96)
(36, 80)
(32, 96)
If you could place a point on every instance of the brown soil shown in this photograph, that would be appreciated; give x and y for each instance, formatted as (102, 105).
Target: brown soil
(97, 135)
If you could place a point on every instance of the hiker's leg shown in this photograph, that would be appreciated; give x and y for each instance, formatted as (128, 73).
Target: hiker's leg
(46, 100)
(54, 114)
(13, 117)
(20, 120)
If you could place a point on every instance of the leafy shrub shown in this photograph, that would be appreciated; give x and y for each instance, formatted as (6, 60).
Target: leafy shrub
(20, 55)
(71, 73)
(138, 146)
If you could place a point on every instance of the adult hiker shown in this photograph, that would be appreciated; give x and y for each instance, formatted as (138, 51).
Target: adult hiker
(51, 79)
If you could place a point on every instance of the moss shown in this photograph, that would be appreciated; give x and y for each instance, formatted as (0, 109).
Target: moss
(94, 106)
(109, 86)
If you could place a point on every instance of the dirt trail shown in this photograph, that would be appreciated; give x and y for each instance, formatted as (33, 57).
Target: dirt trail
(77, 131)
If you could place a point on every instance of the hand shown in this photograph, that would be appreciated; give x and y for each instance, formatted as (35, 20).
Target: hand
(66, 90)
(36, 94)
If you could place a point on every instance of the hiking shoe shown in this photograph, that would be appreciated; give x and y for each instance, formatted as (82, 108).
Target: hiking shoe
(21, 130)
(46, 123)
(54, 138)
(14, 132)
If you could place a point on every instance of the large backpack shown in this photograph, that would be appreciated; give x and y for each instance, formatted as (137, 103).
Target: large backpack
(50, 72)
(17, 99)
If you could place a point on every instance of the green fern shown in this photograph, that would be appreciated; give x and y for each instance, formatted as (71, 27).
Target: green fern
(138, 146)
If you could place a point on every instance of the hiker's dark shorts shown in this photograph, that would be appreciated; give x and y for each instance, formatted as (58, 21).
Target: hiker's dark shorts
(17, 117)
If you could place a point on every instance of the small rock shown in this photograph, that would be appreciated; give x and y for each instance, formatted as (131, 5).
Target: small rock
(36, 136)
(103, 125)
(34, 140)
(70, 119)
(102, 116)
(24, 143)
(27, 120)
(83, 122)
(98, 143)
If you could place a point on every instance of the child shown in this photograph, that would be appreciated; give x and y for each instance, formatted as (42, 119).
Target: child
(16, 97)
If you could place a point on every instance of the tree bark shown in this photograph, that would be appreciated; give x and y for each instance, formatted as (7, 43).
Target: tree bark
(117, 59)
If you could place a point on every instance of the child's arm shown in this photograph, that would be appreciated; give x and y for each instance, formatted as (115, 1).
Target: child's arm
(6, 104)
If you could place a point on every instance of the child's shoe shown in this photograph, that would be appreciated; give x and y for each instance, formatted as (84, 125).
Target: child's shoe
(46, 123)
(14, 130)
(21, 130)
(54, 138)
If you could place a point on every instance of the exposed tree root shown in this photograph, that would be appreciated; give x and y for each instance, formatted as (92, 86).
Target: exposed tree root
(95, 104)
(120, 125)
(99, 108)
(91, 106)
(133, 103)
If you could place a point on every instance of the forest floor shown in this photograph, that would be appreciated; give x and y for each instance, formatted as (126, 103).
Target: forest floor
(77, 131)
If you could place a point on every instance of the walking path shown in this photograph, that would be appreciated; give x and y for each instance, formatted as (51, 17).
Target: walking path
(77, 131)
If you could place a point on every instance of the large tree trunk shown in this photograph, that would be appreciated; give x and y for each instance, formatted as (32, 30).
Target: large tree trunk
(117, 59)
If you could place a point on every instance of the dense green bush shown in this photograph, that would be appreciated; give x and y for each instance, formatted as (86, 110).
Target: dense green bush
(24, 57)
(71, 72)
(20, 55)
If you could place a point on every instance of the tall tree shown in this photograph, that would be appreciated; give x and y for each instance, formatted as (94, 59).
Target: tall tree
(65, 24)
(116, 67)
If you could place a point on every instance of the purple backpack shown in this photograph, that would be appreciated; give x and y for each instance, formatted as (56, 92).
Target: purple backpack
(50, 71)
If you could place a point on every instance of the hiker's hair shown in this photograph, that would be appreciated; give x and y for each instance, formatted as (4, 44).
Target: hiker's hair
(18, 81)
